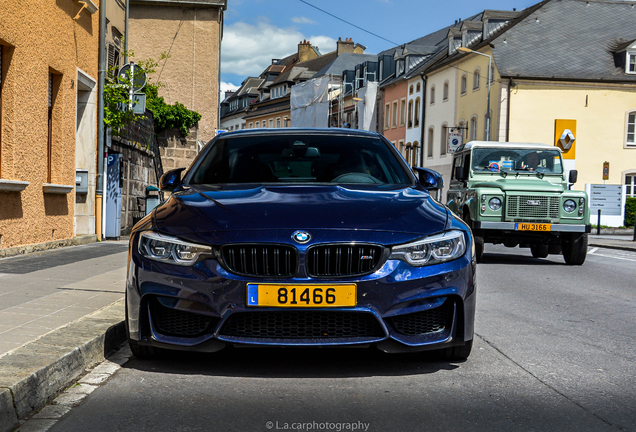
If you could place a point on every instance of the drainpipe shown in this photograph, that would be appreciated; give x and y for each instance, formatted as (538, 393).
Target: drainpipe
(422, 121)
(126, 31)
(508, 109)
(218, 117)
(99, 187)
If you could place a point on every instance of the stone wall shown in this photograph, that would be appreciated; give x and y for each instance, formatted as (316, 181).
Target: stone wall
(176, 150)
(139, 172)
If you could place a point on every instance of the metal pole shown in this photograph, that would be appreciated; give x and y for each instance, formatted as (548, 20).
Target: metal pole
(99, 183)
(598, 223)
(488, 104)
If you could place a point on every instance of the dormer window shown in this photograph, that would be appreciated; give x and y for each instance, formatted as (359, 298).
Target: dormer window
(631, 63)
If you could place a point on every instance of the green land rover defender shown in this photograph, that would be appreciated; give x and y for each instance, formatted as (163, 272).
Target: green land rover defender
(516, 194)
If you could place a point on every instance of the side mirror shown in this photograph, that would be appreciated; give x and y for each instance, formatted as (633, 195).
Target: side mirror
(171, 180)
(461, 173)
(574, 174)
(431, 180)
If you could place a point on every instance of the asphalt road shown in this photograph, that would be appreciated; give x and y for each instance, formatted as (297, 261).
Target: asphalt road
(554, 351)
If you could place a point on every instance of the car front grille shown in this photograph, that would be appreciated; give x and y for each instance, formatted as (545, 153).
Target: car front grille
(425, 322)
(261, 260)
(174, 322)
(302, 325)
(517, 206)
(342, 260)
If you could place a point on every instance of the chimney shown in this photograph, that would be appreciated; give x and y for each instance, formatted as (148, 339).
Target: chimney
(305, 51)
(229, 93)
(345, 46)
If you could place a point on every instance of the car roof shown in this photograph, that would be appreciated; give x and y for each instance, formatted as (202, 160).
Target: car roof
(510, 145)
(305, 131)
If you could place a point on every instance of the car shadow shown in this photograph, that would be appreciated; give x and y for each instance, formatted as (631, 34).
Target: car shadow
(508, 259)
(293, 363)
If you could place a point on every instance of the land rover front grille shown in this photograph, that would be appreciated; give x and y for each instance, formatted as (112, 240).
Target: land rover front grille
(261, 259)
(342, 260)
(532, 207)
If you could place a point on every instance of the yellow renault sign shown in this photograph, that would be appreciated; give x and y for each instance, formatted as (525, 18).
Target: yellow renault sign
(565, 137)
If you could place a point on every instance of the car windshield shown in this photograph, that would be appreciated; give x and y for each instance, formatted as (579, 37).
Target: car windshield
(516, 159)
(294, 158)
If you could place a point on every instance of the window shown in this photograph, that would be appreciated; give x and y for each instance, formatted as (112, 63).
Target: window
(443, 145)
(411, 90)
(402, 111)
(631, 62)
(410, 114)
(251, 125)
(387, 115)
(473, 128)
(630, 184)
(54, 116)
(476, 79)
(492, 73)
(416, 153)
(243, 126)
(1, 69)
(432, 95)
(258, 124)
(271, 123)
(401, 142)
(277, 122)
(264, 123)
(631, 129)
(395, 114)
(462, 130)
(429, 152)
(417, 112)
(463, 84)
(418, 88)
(445, 91)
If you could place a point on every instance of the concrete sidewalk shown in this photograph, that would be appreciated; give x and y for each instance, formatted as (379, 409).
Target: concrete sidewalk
(61, 312)
(621, 242)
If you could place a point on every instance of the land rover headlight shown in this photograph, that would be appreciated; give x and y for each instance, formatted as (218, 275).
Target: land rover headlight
(494, 204)
(172, 250)
(569, 206)
(435, 249)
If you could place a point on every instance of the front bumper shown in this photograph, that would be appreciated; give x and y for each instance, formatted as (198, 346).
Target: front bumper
(511, 226)
(398, 308)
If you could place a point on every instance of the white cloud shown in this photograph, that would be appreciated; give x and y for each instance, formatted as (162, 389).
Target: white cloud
(303, 20)
(226, 87)
(248, 49)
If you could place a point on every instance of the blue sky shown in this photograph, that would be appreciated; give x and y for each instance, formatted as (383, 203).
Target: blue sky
(256, 31)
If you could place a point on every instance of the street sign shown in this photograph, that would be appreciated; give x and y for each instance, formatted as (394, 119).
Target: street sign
(607, 198)
(139, 103)
(605, 170)
(455, 139)
(139, 76)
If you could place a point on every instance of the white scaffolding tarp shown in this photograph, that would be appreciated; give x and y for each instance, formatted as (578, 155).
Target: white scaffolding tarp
(366, 107)
(310, 104)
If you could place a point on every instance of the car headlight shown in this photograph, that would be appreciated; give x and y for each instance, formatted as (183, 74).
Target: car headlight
(494, 204)
(569, 206)
(435, 249)
(172, 250)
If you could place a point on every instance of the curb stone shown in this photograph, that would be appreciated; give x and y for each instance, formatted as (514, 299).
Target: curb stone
(38, 247)
(32, 375)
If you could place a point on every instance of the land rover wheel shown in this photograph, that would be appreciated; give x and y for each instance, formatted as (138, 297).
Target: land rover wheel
(574, 247)
(539, 250)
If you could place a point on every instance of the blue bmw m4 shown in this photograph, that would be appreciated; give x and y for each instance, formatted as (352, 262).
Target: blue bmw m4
(301, 237)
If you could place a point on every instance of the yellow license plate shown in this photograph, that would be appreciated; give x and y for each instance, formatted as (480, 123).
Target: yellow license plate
(280, 295)
(532, 227)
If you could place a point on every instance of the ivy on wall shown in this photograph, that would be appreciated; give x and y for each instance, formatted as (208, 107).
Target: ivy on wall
(166, 116)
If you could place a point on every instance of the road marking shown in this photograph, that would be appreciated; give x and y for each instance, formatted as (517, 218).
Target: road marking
(632, 257)
(593, 250)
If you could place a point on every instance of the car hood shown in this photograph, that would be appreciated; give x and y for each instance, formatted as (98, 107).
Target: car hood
(523, 185)
(200, 210)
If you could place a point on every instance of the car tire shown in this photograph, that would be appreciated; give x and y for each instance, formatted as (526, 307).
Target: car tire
(456, 353)
(539, 250)
(479, 241)
(574, 248)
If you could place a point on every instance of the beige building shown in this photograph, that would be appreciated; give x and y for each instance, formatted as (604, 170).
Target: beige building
(190, 32)
(48, 87)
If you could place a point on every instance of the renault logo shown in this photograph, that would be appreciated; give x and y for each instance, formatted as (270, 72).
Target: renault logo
(301, 237)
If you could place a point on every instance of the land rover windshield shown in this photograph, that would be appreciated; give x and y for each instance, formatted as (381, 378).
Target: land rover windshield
(517, 159)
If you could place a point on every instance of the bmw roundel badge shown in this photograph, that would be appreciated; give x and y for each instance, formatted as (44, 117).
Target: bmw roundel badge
(301, 237)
